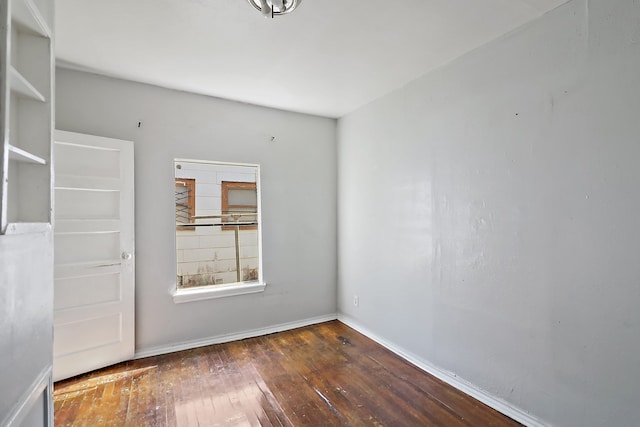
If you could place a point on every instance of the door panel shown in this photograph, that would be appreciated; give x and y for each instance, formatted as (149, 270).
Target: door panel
(94, 253)
(102, 331)
(88, 246)
(79, 160)
(86, 204)
(87, 290)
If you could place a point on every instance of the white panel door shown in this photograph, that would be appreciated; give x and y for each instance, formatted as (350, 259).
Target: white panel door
(93, 253)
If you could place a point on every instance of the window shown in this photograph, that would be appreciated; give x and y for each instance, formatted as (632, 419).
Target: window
(218, 244)
(185, 195)
(239, 204)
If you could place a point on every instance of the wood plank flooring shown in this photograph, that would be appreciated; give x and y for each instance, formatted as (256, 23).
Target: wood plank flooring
(321, 375)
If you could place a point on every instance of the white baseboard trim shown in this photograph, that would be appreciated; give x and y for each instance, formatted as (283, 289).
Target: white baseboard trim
(450, 378)
(220, 339)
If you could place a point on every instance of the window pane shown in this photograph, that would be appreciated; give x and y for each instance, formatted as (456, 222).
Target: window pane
(241, 197)
(182, 195)
(206, 251)
(184, 201)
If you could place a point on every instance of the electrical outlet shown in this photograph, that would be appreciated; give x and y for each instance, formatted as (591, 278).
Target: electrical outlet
(356, 300)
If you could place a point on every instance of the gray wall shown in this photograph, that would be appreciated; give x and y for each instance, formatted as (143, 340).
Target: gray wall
(488, 216)
(298, 199)
(26, 320)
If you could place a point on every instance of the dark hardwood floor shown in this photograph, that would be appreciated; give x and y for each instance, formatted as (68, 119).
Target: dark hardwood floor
(320, 375)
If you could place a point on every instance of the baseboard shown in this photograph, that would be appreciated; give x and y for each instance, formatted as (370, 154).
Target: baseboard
(220, 339)
(450, 378)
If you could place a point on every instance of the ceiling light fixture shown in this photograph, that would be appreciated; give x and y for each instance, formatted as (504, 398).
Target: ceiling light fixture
(271, 8)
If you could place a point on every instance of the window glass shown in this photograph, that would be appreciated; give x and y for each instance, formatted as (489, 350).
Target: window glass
(217, 223)
(242, 198)
(185, 201)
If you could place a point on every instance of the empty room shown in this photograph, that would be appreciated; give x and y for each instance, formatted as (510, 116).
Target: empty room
(320, 213)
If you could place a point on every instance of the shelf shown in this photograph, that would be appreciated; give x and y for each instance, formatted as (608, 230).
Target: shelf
(22, 87)
(27, 15)
(21, 155)
(27, 108)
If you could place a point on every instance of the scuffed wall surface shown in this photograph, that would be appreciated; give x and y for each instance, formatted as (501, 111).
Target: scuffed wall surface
(488, 216)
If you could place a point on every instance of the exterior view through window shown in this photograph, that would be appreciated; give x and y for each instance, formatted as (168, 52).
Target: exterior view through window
(217, 223)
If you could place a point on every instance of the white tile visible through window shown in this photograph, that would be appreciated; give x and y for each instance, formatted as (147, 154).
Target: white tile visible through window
(206, 253)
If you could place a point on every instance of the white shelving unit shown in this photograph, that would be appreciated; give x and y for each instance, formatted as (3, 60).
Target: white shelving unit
(20, 155)
(26, 119)
(22, 87)
(26, 238)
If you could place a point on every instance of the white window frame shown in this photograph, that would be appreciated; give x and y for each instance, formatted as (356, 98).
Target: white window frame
(231, 289)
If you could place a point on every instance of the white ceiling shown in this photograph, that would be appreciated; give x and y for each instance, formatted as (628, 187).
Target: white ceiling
(328, 57)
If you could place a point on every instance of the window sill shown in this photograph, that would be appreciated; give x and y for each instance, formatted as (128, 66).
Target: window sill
(217, 291)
